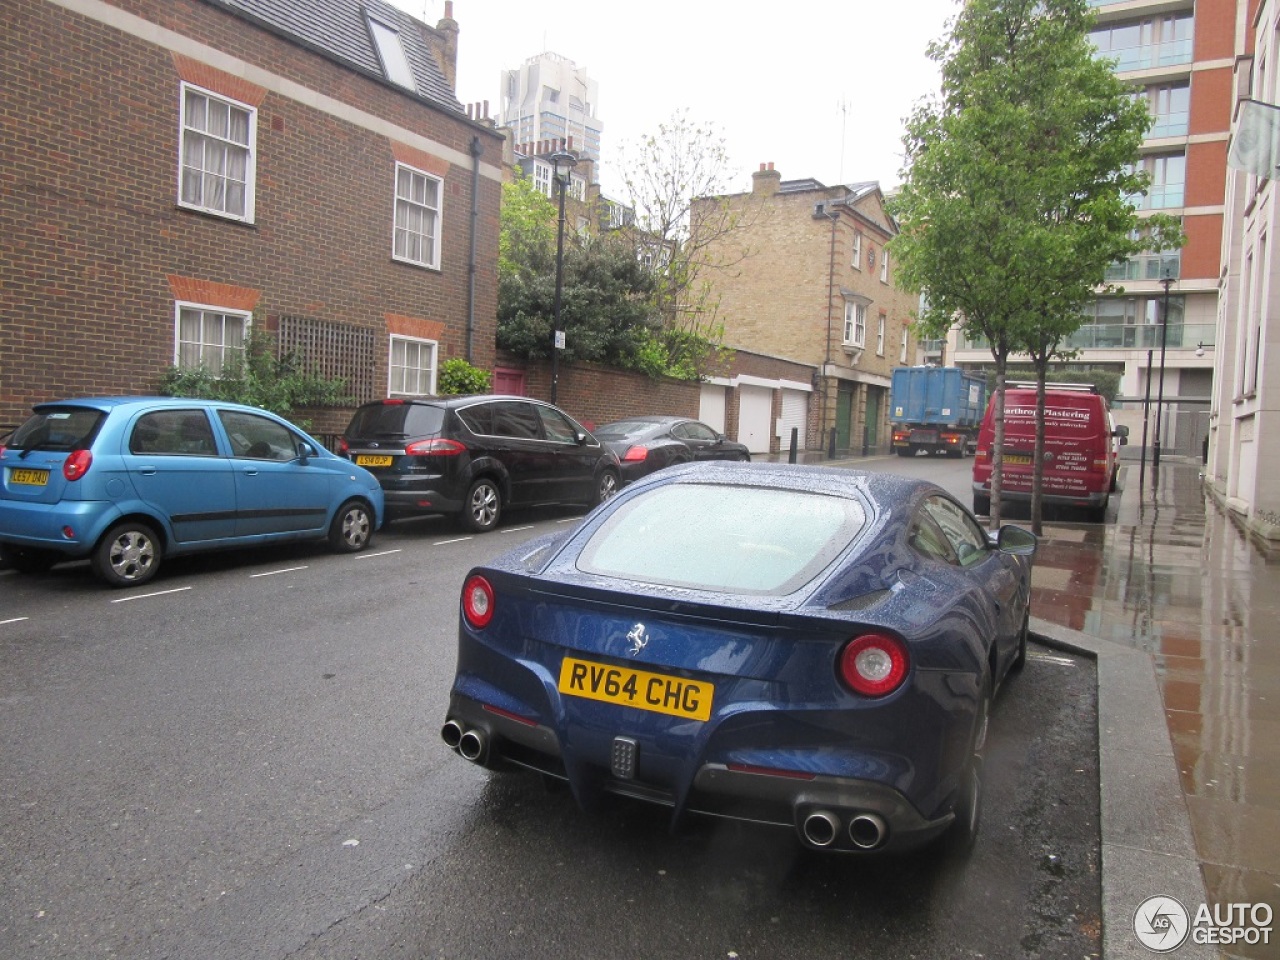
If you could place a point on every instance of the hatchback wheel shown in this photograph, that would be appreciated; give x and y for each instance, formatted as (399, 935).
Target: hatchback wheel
(128, 555)
(483, 506)
(28, 561)
(606, 487)
(352, 528)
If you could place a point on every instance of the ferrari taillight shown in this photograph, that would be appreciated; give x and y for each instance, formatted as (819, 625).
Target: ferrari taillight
(77, 465)
(874, 664)
(477, 601)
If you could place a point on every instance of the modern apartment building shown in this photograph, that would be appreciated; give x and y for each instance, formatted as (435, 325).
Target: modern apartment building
(1179, 56)
(551, 98)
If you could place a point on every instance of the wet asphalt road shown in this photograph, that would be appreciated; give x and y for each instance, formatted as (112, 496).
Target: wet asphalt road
(248, 766)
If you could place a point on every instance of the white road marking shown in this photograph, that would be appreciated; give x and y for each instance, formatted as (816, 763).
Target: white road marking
(441, 543)
(145, 596)
(381, 553)
(14, 620)
(272, 573)
(516, 529)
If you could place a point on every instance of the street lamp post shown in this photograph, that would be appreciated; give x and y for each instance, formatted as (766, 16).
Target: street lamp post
(1164, 339)
(562, 163)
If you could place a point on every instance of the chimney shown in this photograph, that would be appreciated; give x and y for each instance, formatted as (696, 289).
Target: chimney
(765, 181)
(443, 41)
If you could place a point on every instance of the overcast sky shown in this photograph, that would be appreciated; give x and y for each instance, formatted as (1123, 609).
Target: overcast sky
(818, 88)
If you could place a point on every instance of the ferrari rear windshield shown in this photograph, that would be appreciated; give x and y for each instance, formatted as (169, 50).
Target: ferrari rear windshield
(730, 539)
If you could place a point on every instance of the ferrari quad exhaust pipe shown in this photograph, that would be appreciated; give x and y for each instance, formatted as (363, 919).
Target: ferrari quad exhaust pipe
(821, 827)
(451, 733)
(473, 745)
(866, 831)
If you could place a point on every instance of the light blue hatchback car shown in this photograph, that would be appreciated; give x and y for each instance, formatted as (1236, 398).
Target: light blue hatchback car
(127, 481)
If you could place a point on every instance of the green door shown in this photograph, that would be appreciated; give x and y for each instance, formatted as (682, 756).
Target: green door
(844, 415)
(873, 420)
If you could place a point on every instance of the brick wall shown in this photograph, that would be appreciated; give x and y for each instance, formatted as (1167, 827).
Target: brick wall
(595, 394)
(90, 228)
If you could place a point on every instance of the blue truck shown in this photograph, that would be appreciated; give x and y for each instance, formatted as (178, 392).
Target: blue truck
(936, 409)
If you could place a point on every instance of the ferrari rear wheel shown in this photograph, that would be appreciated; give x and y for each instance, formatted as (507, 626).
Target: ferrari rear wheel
(963, 832)
(1020, 658)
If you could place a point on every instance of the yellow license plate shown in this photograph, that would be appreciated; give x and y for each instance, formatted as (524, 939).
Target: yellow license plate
(28, 477)
(1017, 459)
(655, 692)
(369, 460)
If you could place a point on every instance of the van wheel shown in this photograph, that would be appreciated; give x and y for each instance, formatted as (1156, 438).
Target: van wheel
(482, 507)
(128, 556)
(352, 528)
(981, 504)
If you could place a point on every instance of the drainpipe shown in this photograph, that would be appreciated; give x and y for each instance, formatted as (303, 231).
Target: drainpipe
(831, 293)
(477, 148)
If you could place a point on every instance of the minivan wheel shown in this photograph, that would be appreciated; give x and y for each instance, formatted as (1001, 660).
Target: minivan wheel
(129, 555)
(483, 506)
(606, 487)
(352, 528)
(25, 560)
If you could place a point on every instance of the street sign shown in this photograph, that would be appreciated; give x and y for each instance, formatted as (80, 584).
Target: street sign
(559, 339)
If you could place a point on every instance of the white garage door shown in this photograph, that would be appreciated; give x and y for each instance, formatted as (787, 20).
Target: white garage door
(711, 407)
(795, 413)
(755, 413)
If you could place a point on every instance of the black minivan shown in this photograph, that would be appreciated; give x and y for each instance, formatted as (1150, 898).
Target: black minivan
(474, 456)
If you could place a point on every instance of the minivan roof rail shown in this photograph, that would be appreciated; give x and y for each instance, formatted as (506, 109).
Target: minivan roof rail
(1031, 384)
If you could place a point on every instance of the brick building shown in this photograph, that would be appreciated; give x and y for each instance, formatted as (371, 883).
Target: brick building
(174, 171)
(811, 307)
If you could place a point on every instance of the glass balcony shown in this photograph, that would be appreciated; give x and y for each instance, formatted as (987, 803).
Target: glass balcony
(1125, 336)
(1150, 266)
(1170, 125)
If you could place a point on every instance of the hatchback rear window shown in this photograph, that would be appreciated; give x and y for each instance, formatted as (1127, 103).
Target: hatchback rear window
(58, 428)
(739, 540)
(396, 420)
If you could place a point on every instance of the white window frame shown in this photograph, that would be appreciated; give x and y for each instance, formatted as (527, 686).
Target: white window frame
(430, 241)
(856, 261)
(542, 176)
(902, 354)
(880, 325)
(855, 323)
(215, 148)
(398, 375)
(884, 265)
(205, 345)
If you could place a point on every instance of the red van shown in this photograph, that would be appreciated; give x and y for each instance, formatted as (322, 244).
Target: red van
(1081, 448)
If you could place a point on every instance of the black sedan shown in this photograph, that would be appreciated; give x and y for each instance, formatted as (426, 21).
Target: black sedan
(809, 648)
(646, 444)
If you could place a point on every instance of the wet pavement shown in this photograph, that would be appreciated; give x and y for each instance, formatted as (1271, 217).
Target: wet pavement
(1175, 579)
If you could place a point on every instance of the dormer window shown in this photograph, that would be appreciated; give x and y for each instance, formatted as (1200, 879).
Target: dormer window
(395, 65)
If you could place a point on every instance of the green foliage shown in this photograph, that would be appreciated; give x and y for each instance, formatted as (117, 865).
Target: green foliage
(1105, 382)
(259, 378)
(526, 231)
(457, 376)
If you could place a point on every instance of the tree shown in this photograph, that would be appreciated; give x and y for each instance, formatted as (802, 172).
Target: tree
(1018, 184)
(606, 297)
(677, 182)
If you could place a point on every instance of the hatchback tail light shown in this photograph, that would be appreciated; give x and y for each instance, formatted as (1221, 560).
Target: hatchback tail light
(77, 465)
(477, 601)
(436, 447)
(635, 455)
(874, 664)
(344, 448)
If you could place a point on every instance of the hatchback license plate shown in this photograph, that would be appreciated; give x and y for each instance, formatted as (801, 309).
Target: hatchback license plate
(655, 692)
(368, 460)
(28, 477)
